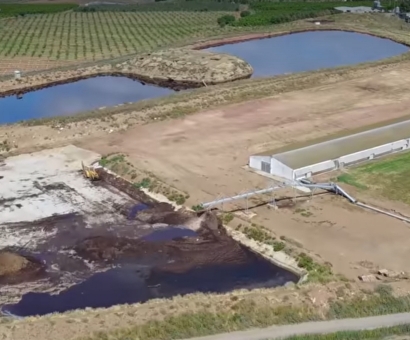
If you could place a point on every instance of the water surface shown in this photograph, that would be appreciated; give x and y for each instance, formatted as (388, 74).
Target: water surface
(269, 57)
(134, 283)
(310, 51)
(71, 98)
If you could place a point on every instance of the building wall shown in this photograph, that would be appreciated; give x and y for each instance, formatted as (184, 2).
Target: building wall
(374, 152)
(313, 169)
(280, 169)
(255, 161)
(353, 158)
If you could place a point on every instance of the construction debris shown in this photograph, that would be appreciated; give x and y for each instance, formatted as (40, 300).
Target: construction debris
(368, 278)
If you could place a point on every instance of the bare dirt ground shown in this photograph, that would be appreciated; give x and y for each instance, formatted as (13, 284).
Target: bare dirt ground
(203, 155)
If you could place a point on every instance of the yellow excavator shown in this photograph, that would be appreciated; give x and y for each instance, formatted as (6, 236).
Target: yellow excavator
(90, 173)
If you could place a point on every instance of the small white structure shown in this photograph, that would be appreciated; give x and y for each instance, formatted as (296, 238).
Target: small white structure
(17, 75)
(324, 156)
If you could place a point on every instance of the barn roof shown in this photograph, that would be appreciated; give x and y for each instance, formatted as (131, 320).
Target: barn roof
(331, 149)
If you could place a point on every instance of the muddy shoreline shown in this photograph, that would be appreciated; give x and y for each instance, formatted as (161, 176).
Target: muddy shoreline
(176, 69)
(144, 80)
(257, 36)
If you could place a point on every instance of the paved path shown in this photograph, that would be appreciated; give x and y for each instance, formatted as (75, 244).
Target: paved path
(320, 327)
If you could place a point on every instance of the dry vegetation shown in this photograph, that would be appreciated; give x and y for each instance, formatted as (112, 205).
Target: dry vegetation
(400, 332)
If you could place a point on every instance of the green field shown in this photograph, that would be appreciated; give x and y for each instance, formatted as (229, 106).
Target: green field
(388, 177)
(101, 35)
(66, 32)
(10, 10)
(167, 6)
(263, 13)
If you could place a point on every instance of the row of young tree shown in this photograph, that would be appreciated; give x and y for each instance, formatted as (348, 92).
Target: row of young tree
(268, 12)
(10, 10)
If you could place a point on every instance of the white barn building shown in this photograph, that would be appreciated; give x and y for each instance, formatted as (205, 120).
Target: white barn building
(318, 157)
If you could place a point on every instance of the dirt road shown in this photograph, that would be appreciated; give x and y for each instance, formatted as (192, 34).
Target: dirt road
(322, 327)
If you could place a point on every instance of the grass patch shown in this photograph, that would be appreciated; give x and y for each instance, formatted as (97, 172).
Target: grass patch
(317, 272)
(357, 335)
(227, 218)
(351, 180)
(304, 212)
(242, 315)
(386, 176)
(246, 314)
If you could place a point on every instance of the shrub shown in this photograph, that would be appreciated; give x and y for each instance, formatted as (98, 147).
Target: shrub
(226, 20)
(245, 14)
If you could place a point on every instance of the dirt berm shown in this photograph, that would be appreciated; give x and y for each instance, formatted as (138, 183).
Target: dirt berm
(174, 68)
(15, 268)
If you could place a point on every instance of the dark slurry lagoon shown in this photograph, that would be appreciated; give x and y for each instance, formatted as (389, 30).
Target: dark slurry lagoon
(308, 51)
(133, 283)
(290, 53)
(144, 250)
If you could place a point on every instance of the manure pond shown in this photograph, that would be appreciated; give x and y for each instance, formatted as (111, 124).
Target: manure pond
(188, 264)
(71, 98)
(308, 51)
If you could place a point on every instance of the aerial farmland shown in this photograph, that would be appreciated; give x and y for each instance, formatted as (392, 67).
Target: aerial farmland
(176, 169)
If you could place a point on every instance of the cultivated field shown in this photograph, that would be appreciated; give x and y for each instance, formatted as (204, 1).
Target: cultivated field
(102, 35)
(53, 40)
(32, 42)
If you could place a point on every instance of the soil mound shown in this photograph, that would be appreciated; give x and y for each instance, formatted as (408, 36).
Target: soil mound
(16, 268)
(173, 68)
(184, 68)
(11, 263)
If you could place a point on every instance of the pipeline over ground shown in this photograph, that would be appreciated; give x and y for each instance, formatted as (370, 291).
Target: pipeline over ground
(330, 187)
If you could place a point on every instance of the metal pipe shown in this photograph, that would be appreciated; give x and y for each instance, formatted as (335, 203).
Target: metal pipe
(330, 187)
(245, 195)
(345, 194)
(383, 212)
(307, 184)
